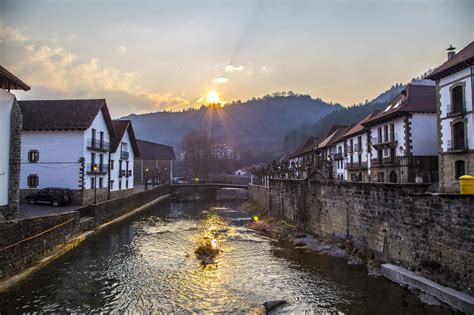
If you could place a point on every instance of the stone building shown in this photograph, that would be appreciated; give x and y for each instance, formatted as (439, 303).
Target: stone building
(10, 144)
(454, 100)
(156, 159)
(66, 143)
(403, 147)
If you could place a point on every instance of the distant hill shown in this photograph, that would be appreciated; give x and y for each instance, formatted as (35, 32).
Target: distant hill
(343, 116)
(254, 125)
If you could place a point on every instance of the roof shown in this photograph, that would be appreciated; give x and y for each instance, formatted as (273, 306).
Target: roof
(9, 81)
(359, 128)
(339, 134)
(120, 127)
(63, 114)
(155, 151)
(306, 147)
(414, 98)
(335, 133)
(460, 61)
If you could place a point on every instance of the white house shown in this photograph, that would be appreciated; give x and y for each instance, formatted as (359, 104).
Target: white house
(123, 151)
(66, 143)
(403, 137)
(358, 153)
(329, 151)
(10, 141)
(455, 98)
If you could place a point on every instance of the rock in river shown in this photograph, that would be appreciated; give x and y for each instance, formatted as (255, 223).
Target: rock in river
(270, 305)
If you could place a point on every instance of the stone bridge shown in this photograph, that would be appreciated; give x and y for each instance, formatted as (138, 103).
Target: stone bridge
(209, 190)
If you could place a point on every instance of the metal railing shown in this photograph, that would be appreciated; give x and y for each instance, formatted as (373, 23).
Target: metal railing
(357, 147)
(97, 144)
(392, 137)
(338, 156)
(357, 165)
(96, 168)
(124, 155)
(453, 146)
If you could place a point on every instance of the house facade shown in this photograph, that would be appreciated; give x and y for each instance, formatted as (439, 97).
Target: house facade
(402, 146)
(123, 151)
(327, 157)
(455, 97)
(66, 143)
(10, 144)
(358, 151)
(155, 162)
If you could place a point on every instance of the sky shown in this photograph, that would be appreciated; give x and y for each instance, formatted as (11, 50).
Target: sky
(146, 56)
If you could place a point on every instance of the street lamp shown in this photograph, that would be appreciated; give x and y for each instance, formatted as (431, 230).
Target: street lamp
(94, 169)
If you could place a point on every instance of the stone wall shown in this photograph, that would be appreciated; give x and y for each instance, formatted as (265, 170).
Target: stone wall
(260, 194)
(447, 182)
(432, 234)
(24, 241)
(109, 210)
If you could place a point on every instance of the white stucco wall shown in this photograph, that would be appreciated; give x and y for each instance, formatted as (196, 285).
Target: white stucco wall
(464, 76)
(114, 175)
(59, 154)
(424, 132)
(399, 129)
(99, 125)
(6, 102)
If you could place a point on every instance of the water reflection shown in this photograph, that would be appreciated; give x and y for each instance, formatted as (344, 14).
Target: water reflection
(149, 264)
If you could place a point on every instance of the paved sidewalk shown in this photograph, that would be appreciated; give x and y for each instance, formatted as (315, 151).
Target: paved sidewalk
(39, 210)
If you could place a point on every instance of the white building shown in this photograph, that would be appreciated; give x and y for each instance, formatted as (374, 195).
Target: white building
(329, 152)
(357, 151)
(66, 143)
(10, 141)
(455, 98)
(123, 151)
(403, 137)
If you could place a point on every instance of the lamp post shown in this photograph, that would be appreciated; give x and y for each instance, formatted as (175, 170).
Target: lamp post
(94, 168)
(146, 178)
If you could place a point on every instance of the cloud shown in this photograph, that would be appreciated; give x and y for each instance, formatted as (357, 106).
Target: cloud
(122, 50)
(220, 80)
(11, 36)
(55, 72)
(234, 69)
(266, 69)
(72, 37)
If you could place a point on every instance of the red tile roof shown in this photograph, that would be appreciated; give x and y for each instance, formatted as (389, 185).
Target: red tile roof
(359, 128)
(419, 98)
(335, 133)
(461, 60)
(63, 114)
(8, 81)
(305, 148)
(120, 127)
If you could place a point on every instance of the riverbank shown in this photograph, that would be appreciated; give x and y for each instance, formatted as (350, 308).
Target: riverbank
(301, 239)
(27, 245)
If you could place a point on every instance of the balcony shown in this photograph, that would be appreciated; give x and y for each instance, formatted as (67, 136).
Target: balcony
(96, 144)
(100, 168)
(451, 113)
(356, 166)
(124, 173)
(387, 161)
(386, 139)
(338, 156)
(124, 155)
(457, 147)
(358, 147)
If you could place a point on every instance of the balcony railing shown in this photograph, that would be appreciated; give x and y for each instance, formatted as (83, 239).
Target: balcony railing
(97, 168)
(453, 146)
(357, 147)
(388, 161)
(338, 156)
(357, 165)
(451, 112)
(385, 139)
(96, 144)
(124, 155)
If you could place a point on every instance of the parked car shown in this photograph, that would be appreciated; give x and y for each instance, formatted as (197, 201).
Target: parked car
(52, 195)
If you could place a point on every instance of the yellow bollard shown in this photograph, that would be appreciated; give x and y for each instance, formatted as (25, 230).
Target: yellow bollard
(466, 185)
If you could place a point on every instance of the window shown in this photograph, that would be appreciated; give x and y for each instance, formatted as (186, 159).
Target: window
(460, 168)
(111, 164)
(126, 168)
(111, 185)
(92, 158)
(392, 132)
(359, 143)
(94, 132)
(120, 184)
(458, 136)
(101, 137)
(457, 100)
(101, 182)
(126, 184)
(33, 181)
(351, 145)
(92, 182)
(379, 130)
(123, 147)
(385, 130)
(33, 156)
(120, 168)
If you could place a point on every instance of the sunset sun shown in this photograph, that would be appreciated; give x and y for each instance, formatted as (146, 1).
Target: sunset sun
(212, 97)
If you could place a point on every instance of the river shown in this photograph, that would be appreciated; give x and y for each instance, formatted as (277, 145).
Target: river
(147, 264)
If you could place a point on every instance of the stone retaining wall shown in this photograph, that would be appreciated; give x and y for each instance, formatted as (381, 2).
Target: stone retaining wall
(24, 241)
(431, 234)
(260, 194)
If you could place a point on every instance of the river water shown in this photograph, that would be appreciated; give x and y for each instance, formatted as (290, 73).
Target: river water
(148, 264)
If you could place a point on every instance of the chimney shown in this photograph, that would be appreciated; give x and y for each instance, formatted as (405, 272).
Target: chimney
(451, 51)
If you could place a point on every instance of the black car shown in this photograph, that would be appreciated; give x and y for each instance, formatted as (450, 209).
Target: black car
(52, 195)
